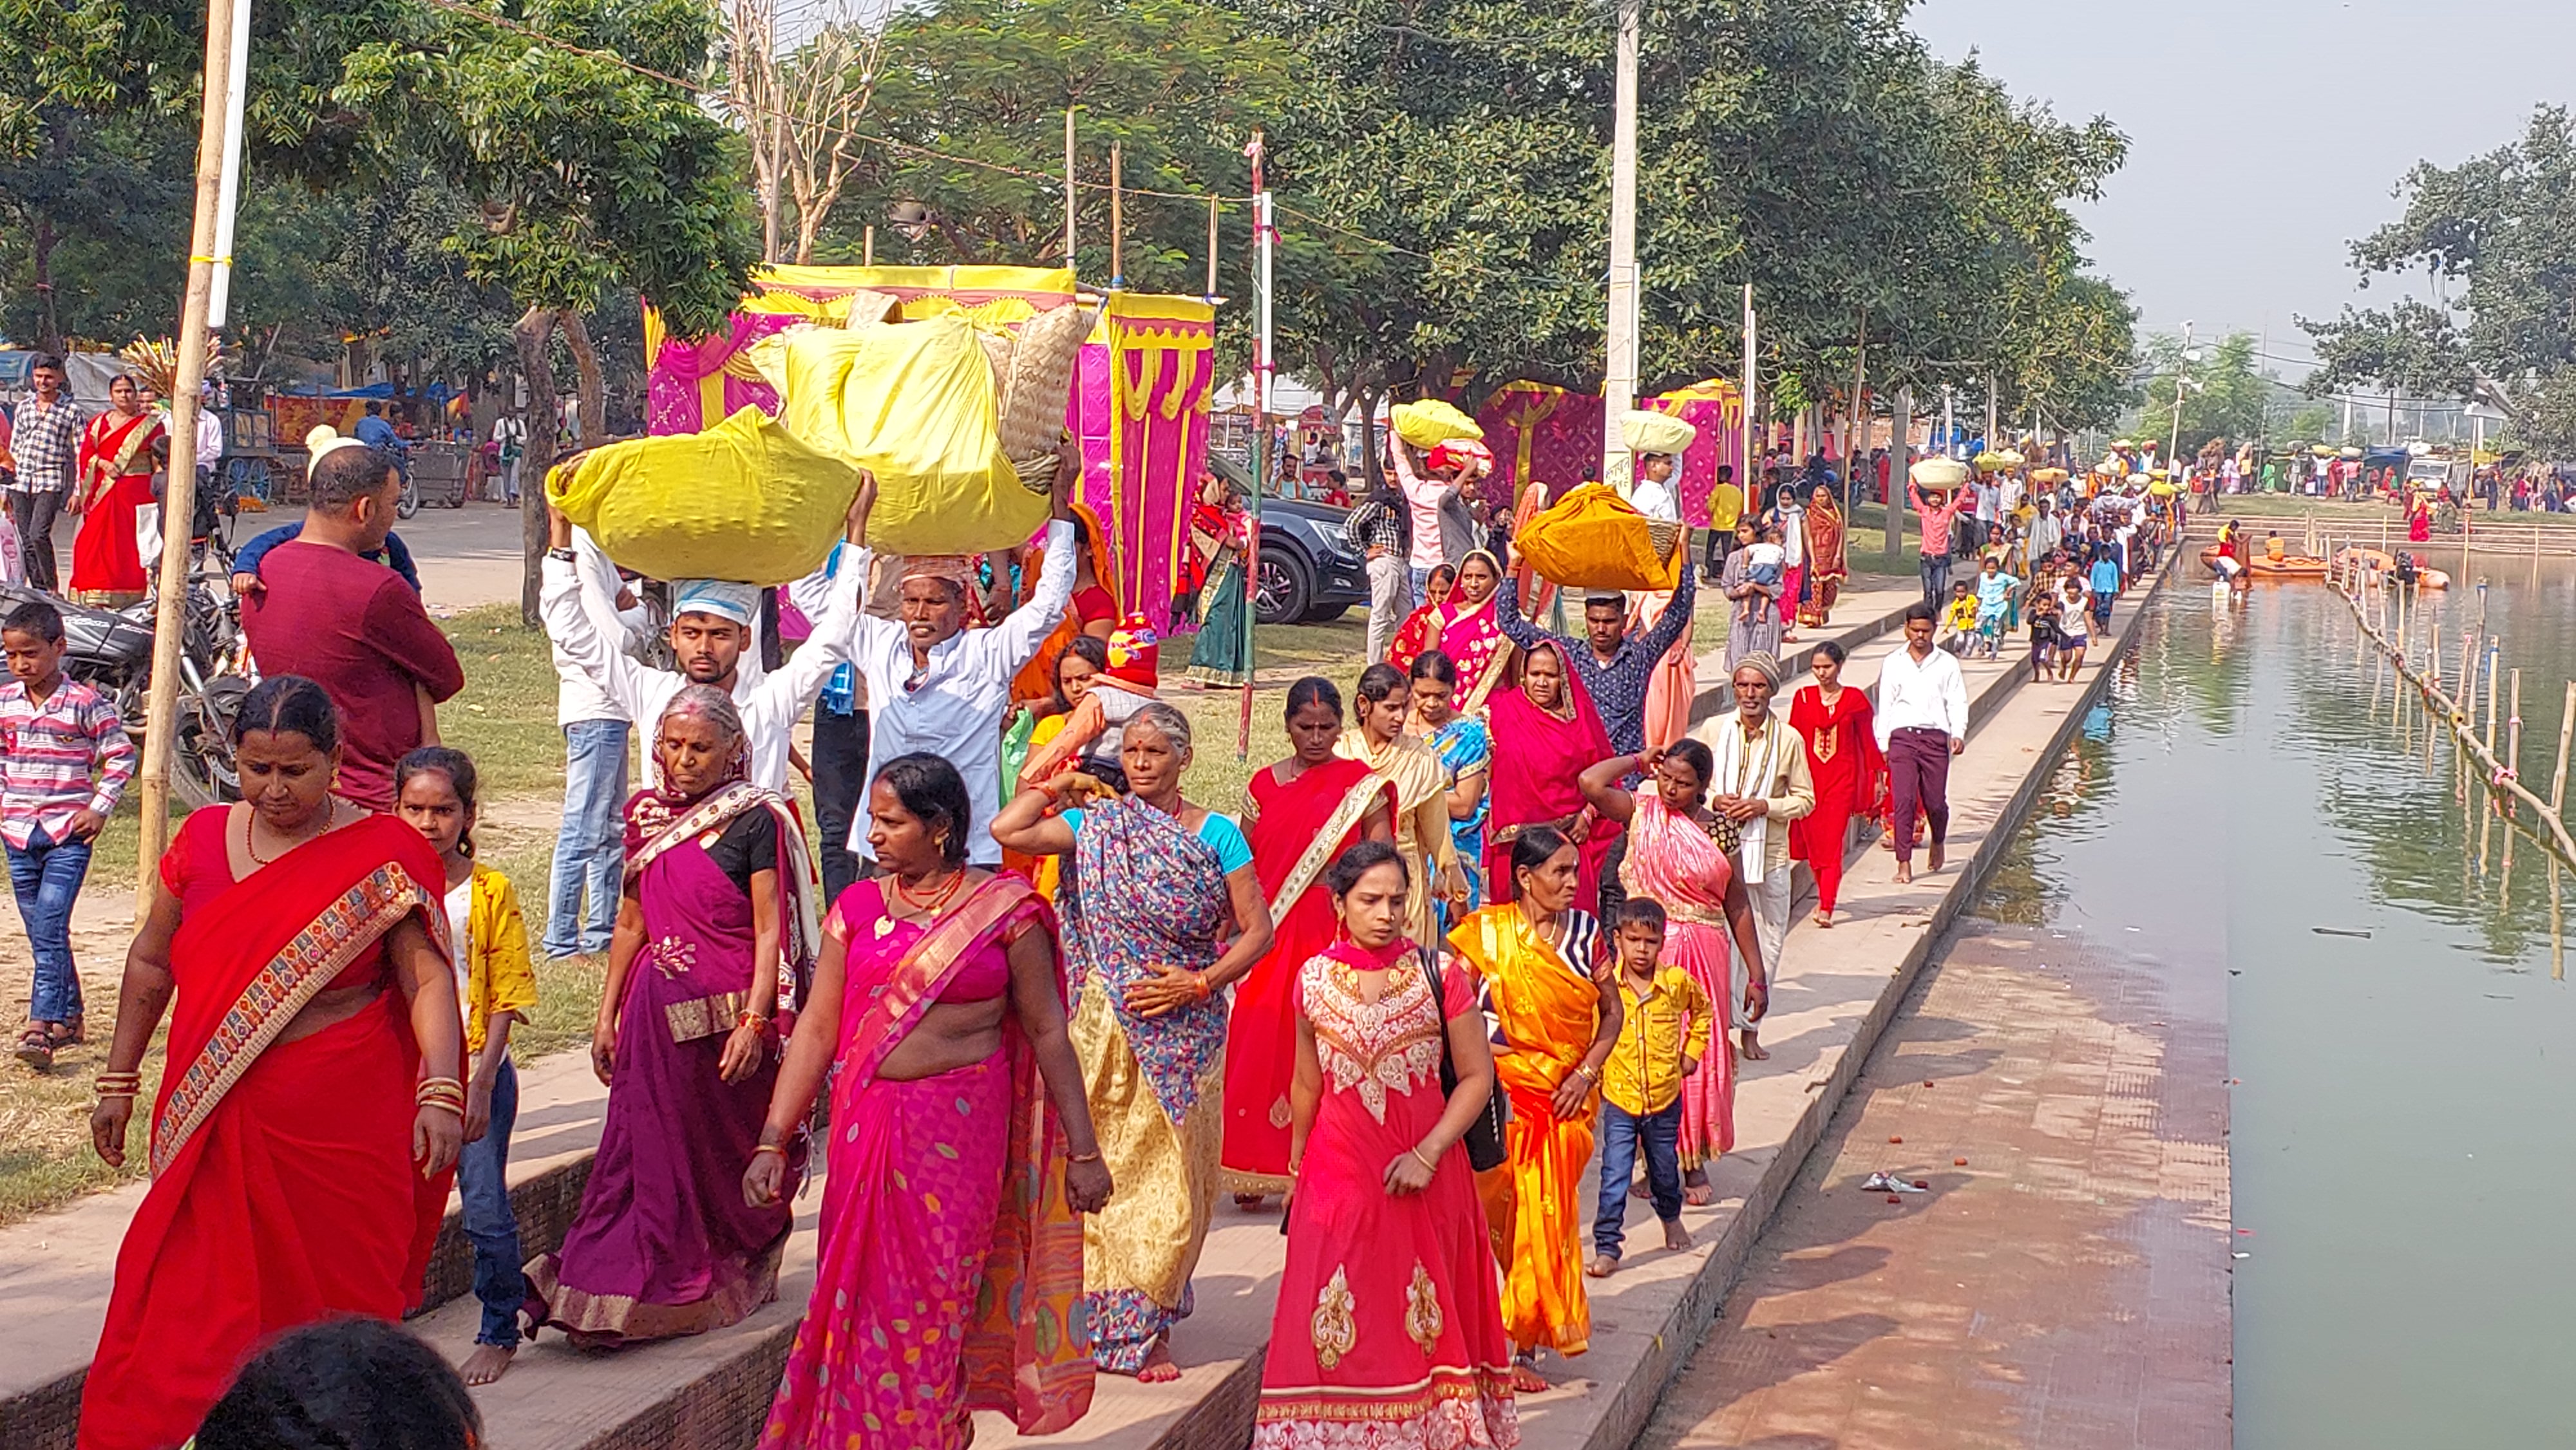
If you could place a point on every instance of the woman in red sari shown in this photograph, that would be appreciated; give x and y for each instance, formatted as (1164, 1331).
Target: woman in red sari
(310, 1108)
(1546, 734)
(1421, 629)
(1299, 814)
(1828, 557)
(1832, 720)
(113, 481)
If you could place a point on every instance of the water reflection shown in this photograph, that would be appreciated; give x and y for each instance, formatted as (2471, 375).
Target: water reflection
(2396, 1142)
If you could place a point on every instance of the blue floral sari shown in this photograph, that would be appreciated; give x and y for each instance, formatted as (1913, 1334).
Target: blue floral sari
(1465, 747)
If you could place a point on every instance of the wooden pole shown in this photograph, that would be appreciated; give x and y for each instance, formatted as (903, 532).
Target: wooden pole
(1117, 219)
(1072, 202)
(1211, 280)
(1900, 462)
(868, 245)
(169, 616)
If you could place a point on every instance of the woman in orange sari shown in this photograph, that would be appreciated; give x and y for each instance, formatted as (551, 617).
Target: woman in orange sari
(1828, 557)
(114, 480)
(1556, 1009)
(310, 1108)
(1300, 815)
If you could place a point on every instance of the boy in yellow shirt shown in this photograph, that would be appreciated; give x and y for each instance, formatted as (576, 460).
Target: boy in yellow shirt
(1667, 1019)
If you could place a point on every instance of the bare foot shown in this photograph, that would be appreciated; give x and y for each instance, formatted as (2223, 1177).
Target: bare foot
(1753, 1050)
(1936, 858)
(1824, 918)
(1526, 1379)
(1676, 1237)
(1158, 1367)
(1247, 1200)
(1637, 1189)
(1695, 1189)
(486, 1364)
(1904, 874)
(1601, 1267)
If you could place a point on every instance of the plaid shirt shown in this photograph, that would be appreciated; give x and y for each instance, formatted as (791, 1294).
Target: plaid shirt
(1373, 529)
(46, 443)
(58, 757)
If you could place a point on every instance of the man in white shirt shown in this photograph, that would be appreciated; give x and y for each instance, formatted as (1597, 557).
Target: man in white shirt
(935, 686)
(1922, 722)
(712, 625)
(581, 892)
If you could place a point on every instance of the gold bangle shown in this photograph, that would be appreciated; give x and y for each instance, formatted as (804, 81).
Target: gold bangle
(768, 1148)
(1416, 1151)
(1091, 1157)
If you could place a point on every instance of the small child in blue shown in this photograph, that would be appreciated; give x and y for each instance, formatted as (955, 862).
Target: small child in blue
(2104, 580)
(246, 562)
(1994, 599)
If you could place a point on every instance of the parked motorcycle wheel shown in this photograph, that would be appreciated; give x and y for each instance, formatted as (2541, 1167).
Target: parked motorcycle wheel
(410, 503)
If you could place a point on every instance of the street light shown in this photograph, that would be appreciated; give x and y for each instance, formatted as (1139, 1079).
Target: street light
(2173, 445)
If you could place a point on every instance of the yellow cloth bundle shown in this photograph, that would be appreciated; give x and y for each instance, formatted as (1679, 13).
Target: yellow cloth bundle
(915, 404)
(1594, 539)
(1645, 431)
(1429, 422)
(745, 501)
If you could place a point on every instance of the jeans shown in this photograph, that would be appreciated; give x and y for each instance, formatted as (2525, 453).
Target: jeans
(581, 896)
(34, 511)
(483, 1182)
(1936, 579)
(1622, 1134)
(1713, 562)
(47, 874)
(1388, 603)
(840, 773)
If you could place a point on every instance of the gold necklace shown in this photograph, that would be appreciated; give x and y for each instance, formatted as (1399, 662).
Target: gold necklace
(925, 904)
(330, 813)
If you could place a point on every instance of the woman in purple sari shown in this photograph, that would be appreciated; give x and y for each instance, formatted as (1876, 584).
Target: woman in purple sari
(1162, 913)
(949, 1266)
(715, 930)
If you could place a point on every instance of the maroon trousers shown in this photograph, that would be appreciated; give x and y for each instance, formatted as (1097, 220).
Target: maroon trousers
(1918, 772)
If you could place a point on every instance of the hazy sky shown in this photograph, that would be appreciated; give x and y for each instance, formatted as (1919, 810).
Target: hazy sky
(2264, 135)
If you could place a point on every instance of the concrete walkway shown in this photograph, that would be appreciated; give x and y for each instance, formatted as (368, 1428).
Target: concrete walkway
(1834, 995)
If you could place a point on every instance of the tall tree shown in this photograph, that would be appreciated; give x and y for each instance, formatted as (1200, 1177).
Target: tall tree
(574, 130)
(2492, 233)
(2224, 393)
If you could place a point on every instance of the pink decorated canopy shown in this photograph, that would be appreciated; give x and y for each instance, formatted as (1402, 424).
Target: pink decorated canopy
(1546, 433)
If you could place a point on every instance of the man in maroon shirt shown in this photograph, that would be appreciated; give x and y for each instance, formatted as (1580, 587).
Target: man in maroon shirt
(352, 625)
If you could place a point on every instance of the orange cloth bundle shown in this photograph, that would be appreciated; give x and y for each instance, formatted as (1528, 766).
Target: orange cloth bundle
(1594, 539)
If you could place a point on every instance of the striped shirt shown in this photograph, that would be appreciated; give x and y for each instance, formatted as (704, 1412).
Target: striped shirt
(59, 756)
(46, 442)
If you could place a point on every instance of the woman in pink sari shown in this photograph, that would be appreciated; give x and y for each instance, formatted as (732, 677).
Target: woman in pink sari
(1472, 637)
(1546, 734)
(950, 1269)
(1388, 1326)
(1677, 858)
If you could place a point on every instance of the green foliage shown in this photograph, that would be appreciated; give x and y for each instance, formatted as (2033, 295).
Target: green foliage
(582, 174)
(2495, 229)
(2227, 396)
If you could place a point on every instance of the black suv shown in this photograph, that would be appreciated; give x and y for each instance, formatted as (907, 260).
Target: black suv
(1310, 573)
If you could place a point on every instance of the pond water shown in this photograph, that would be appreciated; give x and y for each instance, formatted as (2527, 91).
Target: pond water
(2403, 1140)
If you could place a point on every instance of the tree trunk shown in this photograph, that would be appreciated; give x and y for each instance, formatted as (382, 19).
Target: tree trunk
(591, 387)
(535, 332)
(1900, 458)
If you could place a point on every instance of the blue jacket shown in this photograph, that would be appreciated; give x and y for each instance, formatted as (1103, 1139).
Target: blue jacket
(393, 555)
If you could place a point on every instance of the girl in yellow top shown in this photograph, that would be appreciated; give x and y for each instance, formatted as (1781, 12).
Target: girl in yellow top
(497, 985)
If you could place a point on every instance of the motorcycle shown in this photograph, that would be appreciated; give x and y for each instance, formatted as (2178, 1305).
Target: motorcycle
(111, 651)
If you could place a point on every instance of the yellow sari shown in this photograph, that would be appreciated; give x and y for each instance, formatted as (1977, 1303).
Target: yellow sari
(1409, 764)
(1547, 1010)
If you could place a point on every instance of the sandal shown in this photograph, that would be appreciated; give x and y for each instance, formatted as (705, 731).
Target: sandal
(36, 1045)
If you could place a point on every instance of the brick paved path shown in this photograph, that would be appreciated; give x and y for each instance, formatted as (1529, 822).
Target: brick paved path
(2067, 1289)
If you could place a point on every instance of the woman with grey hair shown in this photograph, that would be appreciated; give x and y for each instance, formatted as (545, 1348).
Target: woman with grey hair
(1162, 912)
(715, 931)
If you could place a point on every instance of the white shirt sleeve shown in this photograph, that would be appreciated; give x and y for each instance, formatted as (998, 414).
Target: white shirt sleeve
(801, 679)
(640, 692)
(1017, 637)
